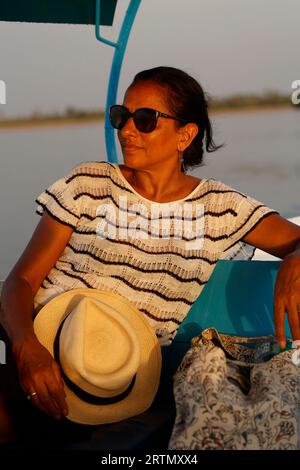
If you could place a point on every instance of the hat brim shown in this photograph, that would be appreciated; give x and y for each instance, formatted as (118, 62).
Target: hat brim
(46, 324)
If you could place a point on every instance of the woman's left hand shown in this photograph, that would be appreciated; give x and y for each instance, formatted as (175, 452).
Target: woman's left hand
(287, 298)
(281, 238)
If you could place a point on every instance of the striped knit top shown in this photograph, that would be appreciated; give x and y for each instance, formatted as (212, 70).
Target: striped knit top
(159, 256)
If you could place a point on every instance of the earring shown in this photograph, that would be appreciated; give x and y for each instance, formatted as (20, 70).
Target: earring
(183, 167)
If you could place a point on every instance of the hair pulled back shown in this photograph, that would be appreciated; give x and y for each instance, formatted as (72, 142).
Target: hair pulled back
(186, 99)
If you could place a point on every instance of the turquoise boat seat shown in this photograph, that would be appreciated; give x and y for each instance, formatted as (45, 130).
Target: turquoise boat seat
(238, 300)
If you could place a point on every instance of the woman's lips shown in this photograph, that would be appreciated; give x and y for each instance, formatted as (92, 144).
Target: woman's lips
(130, 148)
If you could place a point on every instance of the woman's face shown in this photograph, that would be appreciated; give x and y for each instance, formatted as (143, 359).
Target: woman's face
(157, 148)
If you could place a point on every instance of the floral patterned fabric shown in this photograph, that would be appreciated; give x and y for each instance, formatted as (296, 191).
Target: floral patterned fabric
(236, 393)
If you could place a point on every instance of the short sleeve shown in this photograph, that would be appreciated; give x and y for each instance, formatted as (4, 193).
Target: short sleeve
(60, 201)
(249, 213)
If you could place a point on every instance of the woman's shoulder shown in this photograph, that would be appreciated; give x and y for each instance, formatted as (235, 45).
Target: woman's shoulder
(219, 187)
(219, 196)
(90, 168)
(210, 186)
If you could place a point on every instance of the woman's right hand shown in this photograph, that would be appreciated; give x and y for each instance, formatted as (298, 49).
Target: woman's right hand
(39, 375)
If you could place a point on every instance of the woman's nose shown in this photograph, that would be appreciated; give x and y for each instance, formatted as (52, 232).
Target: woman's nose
(129, 128)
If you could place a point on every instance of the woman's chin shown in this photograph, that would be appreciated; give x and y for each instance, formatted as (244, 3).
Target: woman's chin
(131, 157)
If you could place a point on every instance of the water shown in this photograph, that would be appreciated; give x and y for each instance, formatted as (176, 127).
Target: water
(261, 158)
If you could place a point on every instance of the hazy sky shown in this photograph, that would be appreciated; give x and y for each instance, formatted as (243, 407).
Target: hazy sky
(230, 46)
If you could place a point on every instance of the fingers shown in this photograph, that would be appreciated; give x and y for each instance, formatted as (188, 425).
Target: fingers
(48, 400)
(57, 390)
(293, 312)
(46, 391)
(279, 311)
(57, 373)
(34, 398)
(287, 298)
(293, 316)
(40, 378)
(45, 399)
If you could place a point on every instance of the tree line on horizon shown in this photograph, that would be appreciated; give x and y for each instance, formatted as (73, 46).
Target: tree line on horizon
(233, 102)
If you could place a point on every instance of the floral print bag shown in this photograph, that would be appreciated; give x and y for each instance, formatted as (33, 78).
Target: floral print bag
(236, 393)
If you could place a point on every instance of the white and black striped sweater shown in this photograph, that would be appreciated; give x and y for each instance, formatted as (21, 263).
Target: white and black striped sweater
(159, 272)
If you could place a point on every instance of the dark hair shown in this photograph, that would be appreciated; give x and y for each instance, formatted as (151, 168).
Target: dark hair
(187, 100)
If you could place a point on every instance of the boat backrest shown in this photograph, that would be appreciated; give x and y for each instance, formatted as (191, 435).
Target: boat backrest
(238, 300)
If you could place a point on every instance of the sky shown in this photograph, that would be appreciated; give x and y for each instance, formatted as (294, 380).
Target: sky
(230, 46)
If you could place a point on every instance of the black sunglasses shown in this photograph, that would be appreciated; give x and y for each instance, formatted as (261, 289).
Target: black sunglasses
(145, 119)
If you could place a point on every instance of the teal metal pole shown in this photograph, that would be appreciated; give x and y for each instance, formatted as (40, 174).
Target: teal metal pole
(115, 70)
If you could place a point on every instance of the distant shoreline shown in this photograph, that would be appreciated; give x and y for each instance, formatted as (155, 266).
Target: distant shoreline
(40, 122)
(36, 123)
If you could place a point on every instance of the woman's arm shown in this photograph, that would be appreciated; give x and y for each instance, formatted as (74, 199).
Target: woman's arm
(281, 238)
(275, 235)
(37, 370)
(47, 243)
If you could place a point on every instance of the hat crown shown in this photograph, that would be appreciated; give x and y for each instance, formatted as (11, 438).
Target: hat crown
(93, 367)
(99, 349)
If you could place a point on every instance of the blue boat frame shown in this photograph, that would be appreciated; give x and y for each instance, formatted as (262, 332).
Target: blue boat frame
(114, 77)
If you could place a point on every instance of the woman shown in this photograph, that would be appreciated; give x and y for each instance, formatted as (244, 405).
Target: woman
(162, 128)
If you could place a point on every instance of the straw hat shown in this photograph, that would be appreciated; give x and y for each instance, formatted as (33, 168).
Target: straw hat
(109, 355)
